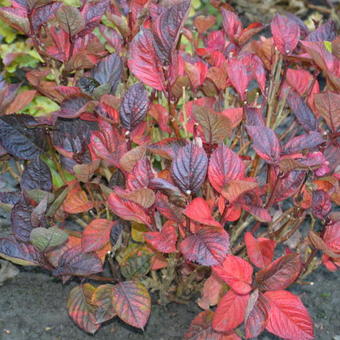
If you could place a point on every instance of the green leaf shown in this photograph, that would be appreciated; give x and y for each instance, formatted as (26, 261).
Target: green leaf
(136, 266)
(7, 32)
(45, 239)
(41, 106)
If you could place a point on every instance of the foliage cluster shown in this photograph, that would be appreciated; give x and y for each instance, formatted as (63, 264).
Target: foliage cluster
(172, 158)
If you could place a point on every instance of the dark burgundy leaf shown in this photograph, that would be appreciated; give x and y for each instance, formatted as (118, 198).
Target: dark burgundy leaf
(174, 194)
(71, 137)
(92, 13)
(325, 32)
(256, 314)
(167, 209)
(189, 168)
(19, 139)
(166, 30)
(208, 247)
(20, 253)
(289, 185)
(286, 33)
(117, 230)
(75, 262)
(321, 204)
(73, 106)
(302, 142)
(265, 143)
(10, 197)
(87, 85)
(42, 14)
(280, 273)
(36, 175)
(109, 71)
(134, 106)
(302, 112)
(21, 221)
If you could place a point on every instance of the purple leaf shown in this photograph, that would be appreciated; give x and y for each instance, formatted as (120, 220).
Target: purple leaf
(19, 139)
(134, 106)
(302, 112)
(109, 71)
(36, 175)
(189, 168)
(265, 143)
(75, 262)
(325, 32)
(166, 30)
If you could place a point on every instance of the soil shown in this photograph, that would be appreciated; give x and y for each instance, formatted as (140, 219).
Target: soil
(33, 306)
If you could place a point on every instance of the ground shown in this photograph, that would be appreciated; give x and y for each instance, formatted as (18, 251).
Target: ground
(32, 306)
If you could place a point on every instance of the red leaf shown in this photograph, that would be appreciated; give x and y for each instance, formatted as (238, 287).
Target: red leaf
(260, 251)
(164, 240)
(256, 314)
(208, 246)
(265, 143)
(328, 105)
(102, 299)
(199, 211)
(237, 273)
(286, 33)
(140, 176)
(80, 308)
(280, 273)
(189, 168)
(231, 24)
(132, 303)
(143, 61)
(211, 292)
(96, 234)
(201, 329)
(230, 312)
(224, 165)
(321, 204)
(76, 201)
(128, 210)
(288, 317)
(235, 188)
(108, 144)
(332, 236)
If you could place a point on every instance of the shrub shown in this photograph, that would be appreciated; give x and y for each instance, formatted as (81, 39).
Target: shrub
(177, 159)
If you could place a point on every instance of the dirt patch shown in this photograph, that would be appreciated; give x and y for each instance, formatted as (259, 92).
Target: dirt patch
(33, 306)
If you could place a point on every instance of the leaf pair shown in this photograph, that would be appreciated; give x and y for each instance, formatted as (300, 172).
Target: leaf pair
(89, 306)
